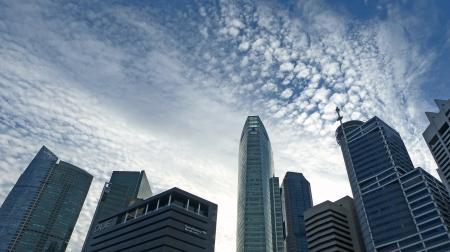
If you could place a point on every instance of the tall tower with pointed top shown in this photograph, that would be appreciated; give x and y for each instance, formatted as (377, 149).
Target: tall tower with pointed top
(437, 137)
(254, 208)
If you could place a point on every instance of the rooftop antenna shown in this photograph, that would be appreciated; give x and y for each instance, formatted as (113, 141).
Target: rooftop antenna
(338, 111)
(339, 119)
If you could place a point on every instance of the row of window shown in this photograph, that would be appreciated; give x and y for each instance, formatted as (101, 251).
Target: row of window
(173, 199)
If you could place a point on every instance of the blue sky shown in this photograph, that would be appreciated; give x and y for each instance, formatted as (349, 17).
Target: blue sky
(166, 86)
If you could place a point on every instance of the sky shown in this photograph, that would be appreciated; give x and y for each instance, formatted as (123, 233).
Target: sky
(166, 86)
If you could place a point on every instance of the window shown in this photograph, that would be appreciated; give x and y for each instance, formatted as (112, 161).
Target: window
(164, 201)
(203, 210)
(121, 219)
(140, 211)
(178, 200)
(433, 141)
(152, 206)
(193, 206)
(443, 129)
(130, 215)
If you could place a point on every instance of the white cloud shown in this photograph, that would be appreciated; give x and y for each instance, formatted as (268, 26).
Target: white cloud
(244, 46)
(286, 67)
(269, 87)
(237, 23)
(287, 93)
(233, 31)
(303, 73)
(321, 95)
(281, 54)
(331, 68)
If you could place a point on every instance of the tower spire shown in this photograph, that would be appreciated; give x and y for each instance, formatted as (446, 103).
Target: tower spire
(338, 111)
(339, 119)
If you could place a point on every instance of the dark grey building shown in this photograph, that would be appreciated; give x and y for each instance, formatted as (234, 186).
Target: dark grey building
(437, 137)
(296, 198)
(333, 226)
(124, 188)
(254, 206)
(41, 210)
(174, 220)
(398, 207)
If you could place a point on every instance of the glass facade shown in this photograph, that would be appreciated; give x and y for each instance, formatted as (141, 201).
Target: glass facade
(254, 213)
(41, 210)
(378, 166)
(277, 215)
(437, 137)
(296, 198)
(124, 188)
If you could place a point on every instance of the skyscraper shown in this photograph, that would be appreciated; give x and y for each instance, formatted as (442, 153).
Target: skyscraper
(41, 210)
(277, 215)
(123, 188)
(296, 198)
(437, 137)
(398, 207)
(174, 220)
(254, 206)
(333, 226)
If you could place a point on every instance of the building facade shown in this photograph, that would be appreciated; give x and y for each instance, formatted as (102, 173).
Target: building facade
(394, 211)
(333, 226)
(277, 215)
(174, 220)
(124, 188)
(254, 206)
(296, 198)
(437, 137)
(41, 210)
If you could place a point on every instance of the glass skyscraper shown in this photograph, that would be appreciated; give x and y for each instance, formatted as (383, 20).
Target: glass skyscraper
(254, 208)
(437, 137)
(296, 198)
(123, 189)
(41, 210)
(277, 215)
(398, 207)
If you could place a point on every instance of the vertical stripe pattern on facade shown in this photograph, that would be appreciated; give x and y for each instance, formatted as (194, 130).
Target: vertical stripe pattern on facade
(254, 206)
(296, 198)
(437, 137)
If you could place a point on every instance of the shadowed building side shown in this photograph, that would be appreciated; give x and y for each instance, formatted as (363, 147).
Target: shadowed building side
(174, 220)
(124, 188)
(296, 197)
(333, 226)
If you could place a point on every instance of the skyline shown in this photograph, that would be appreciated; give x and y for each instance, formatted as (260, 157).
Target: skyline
(166, 87)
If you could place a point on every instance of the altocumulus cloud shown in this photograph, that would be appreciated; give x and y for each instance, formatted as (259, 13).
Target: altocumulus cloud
(166, 87)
